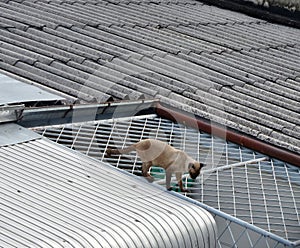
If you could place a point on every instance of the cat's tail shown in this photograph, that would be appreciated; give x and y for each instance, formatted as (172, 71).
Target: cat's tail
(110, 152)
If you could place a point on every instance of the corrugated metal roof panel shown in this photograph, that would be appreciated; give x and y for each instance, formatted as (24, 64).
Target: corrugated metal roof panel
(14, 91)
(52, 196)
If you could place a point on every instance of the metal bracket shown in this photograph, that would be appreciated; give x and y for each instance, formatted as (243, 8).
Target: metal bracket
(9, 113)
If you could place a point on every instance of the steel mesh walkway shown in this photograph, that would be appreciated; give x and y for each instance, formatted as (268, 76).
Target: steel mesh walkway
(237, 182)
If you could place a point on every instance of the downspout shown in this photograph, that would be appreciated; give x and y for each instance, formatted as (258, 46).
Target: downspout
(230, 135)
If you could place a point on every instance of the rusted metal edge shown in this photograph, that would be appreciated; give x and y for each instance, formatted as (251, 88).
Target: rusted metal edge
(229, 135)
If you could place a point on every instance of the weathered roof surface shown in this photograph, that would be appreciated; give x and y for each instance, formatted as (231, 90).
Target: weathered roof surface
(52, 196)
(236, 70)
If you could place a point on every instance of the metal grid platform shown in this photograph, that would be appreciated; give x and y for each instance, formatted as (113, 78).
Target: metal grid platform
(255, 199)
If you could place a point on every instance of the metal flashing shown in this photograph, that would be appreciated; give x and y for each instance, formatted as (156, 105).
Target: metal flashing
(10, 113)
(11, 134)
(14, 92)
(44, 116)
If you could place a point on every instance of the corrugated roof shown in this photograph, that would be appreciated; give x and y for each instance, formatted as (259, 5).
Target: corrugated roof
(14, 91)
(237, 70)
(237, 181)
(52, 196)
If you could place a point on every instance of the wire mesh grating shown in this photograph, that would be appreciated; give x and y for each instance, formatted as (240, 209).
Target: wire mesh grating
(238, 181)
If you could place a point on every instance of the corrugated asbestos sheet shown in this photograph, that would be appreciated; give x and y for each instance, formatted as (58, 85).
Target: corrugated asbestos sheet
(221, 65)
(238, 182)
(14, 91)
(52, 196)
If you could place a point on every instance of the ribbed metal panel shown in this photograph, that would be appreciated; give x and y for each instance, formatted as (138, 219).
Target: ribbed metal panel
(52, 196)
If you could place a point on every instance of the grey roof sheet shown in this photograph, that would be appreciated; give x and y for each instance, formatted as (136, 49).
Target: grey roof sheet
(14, 91)
(52, 196)
(237, 70)
(8, 135)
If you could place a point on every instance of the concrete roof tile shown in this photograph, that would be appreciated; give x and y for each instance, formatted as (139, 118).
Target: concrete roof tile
(293, 84)
(12, 13)
(257, 93)
(88, 12)
(222, 68)
(236, 39)
(256, 68)
(145, 14)
(41, 15)
(46, 49)
(214, 114)
(260, 106)
(65, 16)
(158, 73)
(269, 60)
(219, 78)
(7, 23)
(77, 52)
(283, 57)
(83, 44)
(238, 109)
(8, 59)
(295, 49)
(199, 32)
(190, 43)
(20, 19)
(292, 133)
(92, 65)
(280, 141)
(283, 91)
(48, 75)
(154, 34)
(16, 56)
(154, 83)
(187, 80)
(144, 38)
(262, 62)
(239, 67)
(287, 97)
(112, 42)
(115, 13)
(12, 42)
(185, 50)
(284, 138)
(134, 77)
(94, 81)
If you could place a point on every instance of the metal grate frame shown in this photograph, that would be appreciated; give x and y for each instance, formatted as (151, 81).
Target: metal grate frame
(245, 186)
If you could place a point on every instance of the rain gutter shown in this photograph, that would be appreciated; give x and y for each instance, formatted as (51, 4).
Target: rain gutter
(45, 116)
(230, 135)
